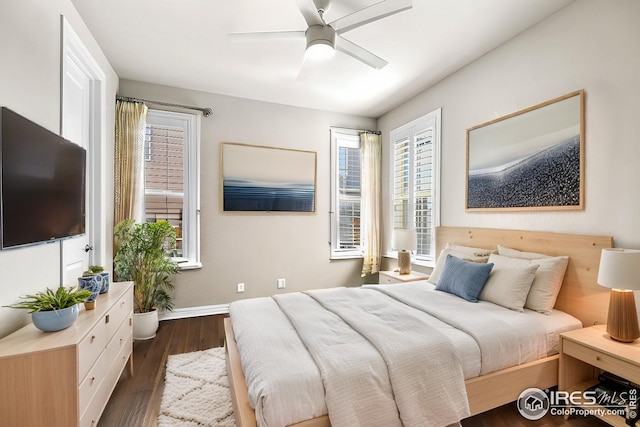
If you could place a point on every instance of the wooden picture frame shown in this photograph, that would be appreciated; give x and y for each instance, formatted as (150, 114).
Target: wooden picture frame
(257, 178)
(528, 160)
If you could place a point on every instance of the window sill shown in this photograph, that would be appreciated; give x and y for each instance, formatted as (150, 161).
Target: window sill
(345, 256)
(186, 264)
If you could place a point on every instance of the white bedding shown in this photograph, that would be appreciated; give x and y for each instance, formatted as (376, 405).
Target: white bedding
(286, 385)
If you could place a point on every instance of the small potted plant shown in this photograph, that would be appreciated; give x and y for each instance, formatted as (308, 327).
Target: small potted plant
(54, 310)
(106, 279)
(142, 257)
(93, 283)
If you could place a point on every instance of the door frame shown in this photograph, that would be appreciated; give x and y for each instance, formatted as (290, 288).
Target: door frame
(75, 50)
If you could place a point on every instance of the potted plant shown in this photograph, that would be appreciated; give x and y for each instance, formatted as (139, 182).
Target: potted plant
(106, 279)
(142, 256)
(93, 283)
(54, 310)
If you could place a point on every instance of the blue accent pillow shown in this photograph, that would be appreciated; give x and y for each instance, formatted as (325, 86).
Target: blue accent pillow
(465, 279)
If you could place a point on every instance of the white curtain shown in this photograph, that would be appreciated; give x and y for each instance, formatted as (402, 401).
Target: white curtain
(370, 213)
(131, 118)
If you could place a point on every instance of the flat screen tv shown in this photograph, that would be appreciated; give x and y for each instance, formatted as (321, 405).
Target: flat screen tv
(43, 183)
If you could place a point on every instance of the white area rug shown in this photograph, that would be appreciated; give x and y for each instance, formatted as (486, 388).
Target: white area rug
(196, 391)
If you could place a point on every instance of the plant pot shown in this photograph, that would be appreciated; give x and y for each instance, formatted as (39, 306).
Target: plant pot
(145, 325)
(93, 284)
(55, 320)
(106, 281)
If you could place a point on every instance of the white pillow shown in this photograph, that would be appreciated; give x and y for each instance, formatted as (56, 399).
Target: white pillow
(463, 254)
(546, 285)
(478, 252)
(509, 282)
(514, 253)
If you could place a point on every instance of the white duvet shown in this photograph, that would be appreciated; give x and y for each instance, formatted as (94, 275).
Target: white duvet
(392, 355)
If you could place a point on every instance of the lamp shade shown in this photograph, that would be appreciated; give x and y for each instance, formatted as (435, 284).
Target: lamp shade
(404, 240)
(619, 269)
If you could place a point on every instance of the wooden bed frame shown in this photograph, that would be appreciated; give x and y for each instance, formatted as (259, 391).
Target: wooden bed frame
(580, 296)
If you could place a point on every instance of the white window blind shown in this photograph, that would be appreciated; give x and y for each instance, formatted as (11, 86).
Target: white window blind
(346, 194)
(415, 148)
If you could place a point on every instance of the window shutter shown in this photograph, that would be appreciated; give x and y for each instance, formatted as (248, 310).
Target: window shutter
(349, 196)
(401, 180)
(424, 189)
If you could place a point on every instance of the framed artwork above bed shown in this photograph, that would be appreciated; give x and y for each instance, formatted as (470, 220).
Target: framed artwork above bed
(529, 160)
(257, 178)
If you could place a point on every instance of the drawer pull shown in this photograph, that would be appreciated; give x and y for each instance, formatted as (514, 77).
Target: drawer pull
(93, 338)
(92, 380)
(120, 341)
(106, 318)
(598, 358)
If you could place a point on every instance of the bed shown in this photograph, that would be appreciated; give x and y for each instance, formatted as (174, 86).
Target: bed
(579, 296)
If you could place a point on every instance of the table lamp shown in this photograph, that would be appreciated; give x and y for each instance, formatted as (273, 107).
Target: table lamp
(620, 271)
(404, 241)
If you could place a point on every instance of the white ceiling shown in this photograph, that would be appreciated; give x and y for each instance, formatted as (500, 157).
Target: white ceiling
(185, 43)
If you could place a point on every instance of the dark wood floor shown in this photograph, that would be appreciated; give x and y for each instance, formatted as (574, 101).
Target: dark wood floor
(136, 400)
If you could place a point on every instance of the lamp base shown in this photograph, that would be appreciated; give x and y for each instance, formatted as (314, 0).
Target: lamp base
(622, 320)
(404, 262)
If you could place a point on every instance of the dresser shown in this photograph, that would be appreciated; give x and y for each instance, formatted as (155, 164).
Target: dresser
(65, 378)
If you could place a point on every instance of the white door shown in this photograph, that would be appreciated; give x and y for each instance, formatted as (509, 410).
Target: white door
(81, 123)
(76, 87)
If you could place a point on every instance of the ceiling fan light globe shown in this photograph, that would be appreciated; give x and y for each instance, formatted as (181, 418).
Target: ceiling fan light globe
(320, 50)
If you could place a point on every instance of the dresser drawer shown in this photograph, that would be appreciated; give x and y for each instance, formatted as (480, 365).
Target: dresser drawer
(92, 415)
(601, 360)
(92, 381)
(121, 339)
(120, 311)
(91, 346)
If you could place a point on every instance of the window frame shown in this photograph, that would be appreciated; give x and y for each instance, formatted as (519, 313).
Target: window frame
(190, 123)
(411, 130)
(352, 136)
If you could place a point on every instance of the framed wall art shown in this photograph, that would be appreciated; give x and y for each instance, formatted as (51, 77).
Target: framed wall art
(267, 179)
(529, 160)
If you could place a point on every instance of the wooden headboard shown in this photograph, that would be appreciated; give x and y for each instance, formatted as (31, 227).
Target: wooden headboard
(580, 295)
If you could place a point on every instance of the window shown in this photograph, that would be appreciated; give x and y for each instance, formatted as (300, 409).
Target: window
(346, 194)
(415, 157)
(172, 179)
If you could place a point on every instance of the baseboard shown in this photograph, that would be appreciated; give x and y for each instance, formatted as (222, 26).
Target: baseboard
(183, 313)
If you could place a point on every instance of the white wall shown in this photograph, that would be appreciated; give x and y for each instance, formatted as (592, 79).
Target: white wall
(592, 45)
(30, 85)
(257, 249)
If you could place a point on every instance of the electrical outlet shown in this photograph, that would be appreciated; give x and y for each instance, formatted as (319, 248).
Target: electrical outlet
(281, 283)
(240, 287)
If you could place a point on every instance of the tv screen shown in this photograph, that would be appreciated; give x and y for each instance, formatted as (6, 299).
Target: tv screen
(43, 183)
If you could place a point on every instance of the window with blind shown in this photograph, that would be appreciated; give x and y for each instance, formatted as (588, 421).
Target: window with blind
(415, 162)
(171, 179)
(346, 194)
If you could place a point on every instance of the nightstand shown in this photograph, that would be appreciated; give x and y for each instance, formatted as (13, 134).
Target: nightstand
(395, 277)
(584, 353)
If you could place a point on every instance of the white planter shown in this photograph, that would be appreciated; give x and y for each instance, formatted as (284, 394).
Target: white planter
(145, 325)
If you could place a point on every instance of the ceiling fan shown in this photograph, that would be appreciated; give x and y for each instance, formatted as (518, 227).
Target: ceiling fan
(323, 38)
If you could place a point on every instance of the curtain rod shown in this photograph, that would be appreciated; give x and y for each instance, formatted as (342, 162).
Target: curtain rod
(375, 132)
(206, 112)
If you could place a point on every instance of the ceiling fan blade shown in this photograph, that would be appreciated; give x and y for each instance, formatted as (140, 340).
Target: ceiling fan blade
(309, 11)
(345, 46)
(268, 35)
(370, 14)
